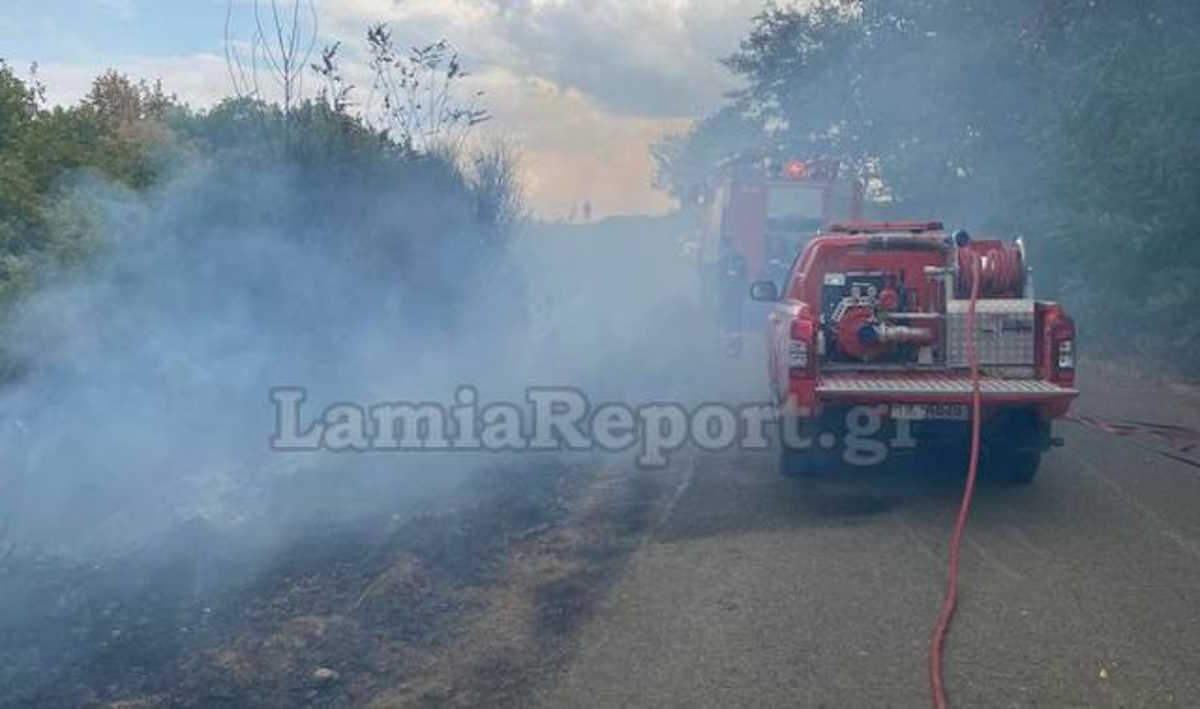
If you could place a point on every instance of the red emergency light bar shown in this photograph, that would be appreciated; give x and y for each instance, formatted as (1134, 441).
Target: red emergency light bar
(807, 170)
(795, 169)
(911, 227)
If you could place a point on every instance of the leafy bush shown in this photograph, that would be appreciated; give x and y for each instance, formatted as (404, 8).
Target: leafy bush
(429, 225)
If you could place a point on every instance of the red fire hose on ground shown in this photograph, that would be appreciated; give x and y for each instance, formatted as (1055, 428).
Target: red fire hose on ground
(946, 614)
(1182, 440)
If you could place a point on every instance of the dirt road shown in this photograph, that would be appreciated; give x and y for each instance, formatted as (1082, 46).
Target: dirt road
(1082, 590)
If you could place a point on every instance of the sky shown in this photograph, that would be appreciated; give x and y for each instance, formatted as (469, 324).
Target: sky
(581, 86)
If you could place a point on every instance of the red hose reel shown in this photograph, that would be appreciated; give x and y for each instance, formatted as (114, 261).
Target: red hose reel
(1001, 269)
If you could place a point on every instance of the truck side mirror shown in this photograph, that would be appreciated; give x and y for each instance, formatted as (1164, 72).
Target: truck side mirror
(764, 291)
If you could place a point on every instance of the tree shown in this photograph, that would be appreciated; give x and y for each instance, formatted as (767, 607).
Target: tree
(684, 161)
(282, 42)
(19, 104)
(19, 200)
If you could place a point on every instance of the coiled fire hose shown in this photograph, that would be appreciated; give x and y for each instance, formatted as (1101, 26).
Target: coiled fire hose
(998, 269)
(946, 614)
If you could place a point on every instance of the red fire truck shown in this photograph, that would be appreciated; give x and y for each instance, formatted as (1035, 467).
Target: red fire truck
(757, 214)
(868, 349)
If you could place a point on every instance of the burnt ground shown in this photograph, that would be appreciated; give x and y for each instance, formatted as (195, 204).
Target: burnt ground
(454, 609)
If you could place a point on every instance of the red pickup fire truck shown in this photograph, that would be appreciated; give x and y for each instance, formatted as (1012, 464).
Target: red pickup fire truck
(757, 213)
(868, 350)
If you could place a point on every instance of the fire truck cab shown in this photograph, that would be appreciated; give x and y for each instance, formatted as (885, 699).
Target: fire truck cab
(757, 215)
(868, 337)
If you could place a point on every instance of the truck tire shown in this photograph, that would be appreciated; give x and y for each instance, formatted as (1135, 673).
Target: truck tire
(1015, 459)
(1012, 468)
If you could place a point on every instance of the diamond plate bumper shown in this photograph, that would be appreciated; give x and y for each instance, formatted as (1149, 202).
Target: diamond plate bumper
(938, 387)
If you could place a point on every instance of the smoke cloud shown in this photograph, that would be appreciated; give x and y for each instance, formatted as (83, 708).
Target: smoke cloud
(146, 403)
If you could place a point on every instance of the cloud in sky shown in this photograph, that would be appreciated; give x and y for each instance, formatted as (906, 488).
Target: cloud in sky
(645, 57)
(574, 149)
(583, 85)
(198, 79)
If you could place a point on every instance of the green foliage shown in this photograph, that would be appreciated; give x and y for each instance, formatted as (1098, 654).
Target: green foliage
(427, 225)
(18, 183)
(18, 106)
(117, 132)
(1123, 212)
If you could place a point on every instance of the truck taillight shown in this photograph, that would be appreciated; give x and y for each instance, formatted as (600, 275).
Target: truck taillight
(800, 354)
(1066, 354)
(1062, 348)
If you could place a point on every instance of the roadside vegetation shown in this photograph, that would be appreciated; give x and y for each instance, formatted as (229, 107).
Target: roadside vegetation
(71, 175)
(153, 253)
(1072, 122)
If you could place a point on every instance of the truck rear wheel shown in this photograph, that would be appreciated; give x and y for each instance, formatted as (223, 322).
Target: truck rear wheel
(1015, 452)
(1014, 467)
